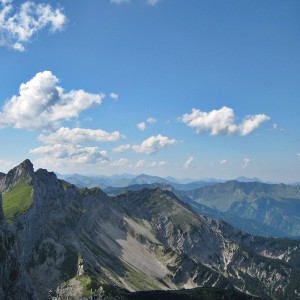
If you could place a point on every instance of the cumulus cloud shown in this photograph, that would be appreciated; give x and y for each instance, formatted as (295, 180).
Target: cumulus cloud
(154, 144)
(78, 136)
(141, 126)
(189, 162)
(68, 153)
(222, 122)
(151, 145)
(223, 162)
(41, 103)
(251, 123)
(114, 96)
(246, 161)
(19, 24)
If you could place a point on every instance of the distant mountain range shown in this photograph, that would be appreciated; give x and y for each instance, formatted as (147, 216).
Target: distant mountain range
(59, 241)
(127, 180)
(124, 180)
(257, 208)
(246, 203)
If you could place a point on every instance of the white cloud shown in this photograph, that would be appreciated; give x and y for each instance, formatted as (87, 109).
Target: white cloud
(298, 154)
(140, 164)
(42, 104)
(121, 148)
(114, 96)
(151, 145)
(156, 164)
(154, 144)
(222, 122)
(189, 162)
(78, 136)
(67, 153)
(5, 165)
(251, 123)
(246, 161)
(141, 126)
(19, 24)
(151, 120)
(223, 162)
(122, 162)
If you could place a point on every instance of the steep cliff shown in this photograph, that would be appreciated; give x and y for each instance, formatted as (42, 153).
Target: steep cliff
(72, 243)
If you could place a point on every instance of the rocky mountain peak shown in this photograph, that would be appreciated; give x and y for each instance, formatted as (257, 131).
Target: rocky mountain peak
(24, 171)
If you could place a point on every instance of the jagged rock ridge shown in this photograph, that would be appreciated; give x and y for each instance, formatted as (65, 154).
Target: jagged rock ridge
(86, 241)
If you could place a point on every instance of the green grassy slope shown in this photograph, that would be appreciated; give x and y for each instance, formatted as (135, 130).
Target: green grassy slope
(18, 200)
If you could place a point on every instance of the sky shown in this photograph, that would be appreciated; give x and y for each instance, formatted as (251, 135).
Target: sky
(189, 89)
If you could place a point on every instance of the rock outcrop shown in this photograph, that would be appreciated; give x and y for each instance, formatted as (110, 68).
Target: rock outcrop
(73, 243)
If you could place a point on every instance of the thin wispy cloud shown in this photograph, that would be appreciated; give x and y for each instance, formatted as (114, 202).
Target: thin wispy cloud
(122, 162)
(114, 96)
(6, 164)
(141, 126)
(151, 120)
(152, 164)
(189, 163)
(222, 122)
(246, 162)
(149, 2)
(152, 2)
(19, 24)
(122, 148)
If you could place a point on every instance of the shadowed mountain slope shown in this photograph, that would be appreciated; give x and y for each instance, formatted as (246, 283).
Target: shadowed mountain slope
(89, 244)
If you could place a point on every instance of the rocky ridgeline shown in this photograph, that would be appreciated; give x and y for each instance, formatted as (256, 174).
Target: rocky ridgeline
(74, 243)
(23, 172)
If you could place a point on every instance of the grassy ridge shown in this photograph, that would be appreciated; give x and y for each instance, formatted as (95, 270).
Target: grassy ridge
(17, 201)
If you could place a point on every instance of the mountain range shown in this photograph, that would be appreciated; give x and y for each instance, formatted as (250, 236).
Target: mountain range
(254, 207)
(59, 241)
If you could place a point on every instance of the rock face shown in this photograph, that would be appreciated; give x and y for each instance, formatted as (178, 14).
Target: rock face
(86, 242)
(14, 280)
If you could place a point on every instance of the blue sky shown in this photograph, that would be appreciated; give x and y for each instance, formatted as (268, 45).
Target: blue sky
(183, 88)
